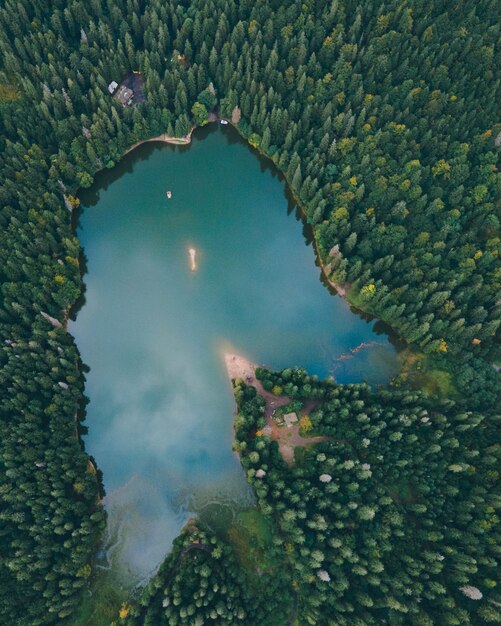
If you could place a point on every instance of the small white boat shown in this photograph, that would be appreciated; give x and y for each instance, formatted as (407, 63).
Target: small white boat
(169, 194)
(223, 122)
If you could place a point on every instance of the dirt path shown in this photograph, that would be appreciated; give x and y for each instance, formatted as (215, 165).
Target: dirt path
(288, 439)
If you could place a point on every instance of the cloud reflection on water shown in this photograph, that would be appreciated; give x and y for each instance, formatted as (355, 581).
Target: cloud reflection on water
(160, 416)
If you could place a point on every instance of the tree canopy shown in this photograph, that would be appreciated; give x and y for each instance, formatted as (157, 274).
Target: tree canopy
(385, 120)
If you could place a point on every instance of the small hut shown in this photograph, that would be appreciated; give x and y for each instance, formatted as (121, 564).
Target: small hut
(289, 419)
(125, 96)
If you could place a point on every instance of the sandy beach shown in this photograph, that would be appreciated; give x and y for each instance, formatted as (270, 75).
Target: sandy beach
(178, 141)
(240, 367)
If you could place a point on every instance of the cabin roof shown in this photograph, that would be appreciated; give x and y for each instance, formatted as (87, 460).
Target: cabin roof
(289, 419)
(124, 95)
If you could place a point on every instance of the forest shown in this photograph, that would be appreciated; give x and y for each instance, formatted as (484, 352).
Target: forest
(392, 519)
(203, 582)
(384, 118)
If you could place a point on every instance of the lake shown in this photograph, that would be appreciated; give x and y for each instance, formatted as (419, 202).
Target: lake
(153, 332)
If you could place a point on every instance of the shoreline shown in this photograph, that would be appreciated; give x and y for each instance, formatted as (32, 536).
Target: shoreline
(341, 290)
(288, 439)
(163, 138)
(238, 366)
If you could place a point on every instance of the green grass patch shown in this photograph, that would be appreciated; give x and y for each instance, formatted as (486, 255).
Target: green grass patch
(421, 372)
(253, 540)
(251, 537)
(301, 455)
(102, 607)
(435, 383)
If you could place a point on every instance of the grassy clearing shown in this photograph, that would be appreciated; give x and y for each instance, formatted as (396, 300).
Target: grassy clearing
(251, 537)
(102, 607)
(418, 371)
(436, 383)
(254, 543)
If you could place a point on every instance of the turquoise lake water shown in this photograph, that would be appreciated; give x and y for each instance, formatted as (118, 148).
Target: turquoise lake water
(153, 332)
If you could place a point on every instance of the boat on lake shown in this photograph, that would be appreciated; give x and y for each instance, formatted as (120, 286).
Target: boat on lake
(169, 194)
(223, 122)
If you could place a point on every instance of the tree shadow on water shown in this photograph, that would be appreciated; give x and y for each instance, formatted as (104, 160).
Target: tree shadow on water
(266, 164)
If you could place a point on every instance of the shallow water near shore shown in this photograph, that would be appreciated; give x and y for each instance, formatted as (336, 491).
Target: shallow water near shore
(153, 332)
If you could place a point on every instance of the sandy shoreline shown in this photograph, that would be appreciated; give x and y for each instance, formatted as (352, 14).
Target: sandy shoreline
(177, 141)
(239, 367)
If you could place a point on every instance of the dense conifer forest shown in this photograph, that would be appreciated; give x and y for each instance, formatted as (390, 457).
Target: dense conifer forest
(201, 582)
(392, 519)
(384, 117)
